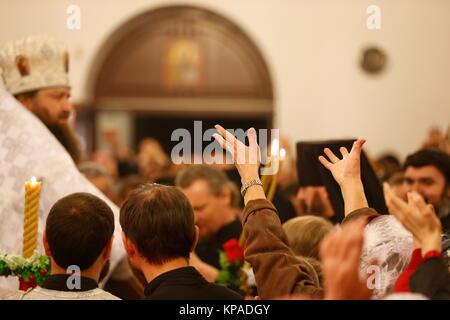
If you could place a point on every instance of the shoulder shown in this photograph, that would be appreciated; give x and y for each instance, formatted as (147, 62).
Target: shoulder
(7, 294)
(39, 293)
(220, 292)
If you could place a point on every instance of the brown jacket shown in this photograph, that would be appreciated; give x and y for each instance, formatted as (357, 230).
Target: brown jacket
(278, 272)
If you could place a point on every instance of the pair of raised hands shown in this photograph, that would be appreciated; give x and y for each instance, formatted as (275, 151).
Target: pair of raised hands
(415, 215)
(247, 159)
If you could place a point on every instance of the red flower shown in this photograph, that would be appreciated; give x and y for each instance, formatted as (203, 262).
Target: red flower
(233, 251)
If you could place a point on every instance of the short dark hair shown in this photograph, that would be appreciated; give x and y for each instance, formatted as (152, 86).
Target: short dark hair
(430, 157)
(159, 220)
(78, 229)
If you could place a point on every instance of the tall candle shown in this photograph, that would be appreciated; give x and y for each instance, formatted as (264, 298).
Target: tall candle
(31, 217)
(267, 177)
(273, 186)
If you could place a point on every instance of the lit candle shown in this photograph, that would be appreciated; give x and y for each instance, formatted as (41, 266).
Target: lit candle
(31, 217)
(273, 186)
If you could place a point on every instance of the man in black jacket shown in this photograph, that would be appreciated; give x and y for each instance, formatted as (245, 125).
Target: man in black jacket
(159, 234)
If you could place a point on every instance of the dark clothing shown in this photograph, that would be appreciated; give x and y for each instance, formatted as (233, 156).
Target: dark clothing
(208, 251)
(59, 282)
(426, 275)
(186, 284)
(431, 279)
(312, 173)
(445, 221)
(285, 209)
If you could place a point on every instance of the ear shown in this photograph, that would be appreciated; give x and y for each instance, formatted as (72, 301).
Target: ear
(46, 246)
(126, 244)
(196, 239)
(130, 248)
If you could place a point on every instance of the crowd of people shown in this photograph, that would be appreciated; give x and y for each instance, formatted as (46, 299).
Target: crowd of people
(174, 220)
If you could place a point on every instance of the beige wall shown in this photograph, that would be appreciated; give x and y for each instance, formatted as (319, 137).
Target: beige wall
(312, 50)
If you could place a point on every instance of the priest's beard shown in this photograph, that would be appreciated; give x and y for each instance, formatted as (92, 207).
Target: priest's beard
(67, 137)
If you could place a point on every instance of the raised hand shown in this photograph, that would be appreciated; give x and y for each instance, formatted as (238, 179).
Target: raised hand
(347, 173)
(346, 168)
(417, 217)
(246, 159)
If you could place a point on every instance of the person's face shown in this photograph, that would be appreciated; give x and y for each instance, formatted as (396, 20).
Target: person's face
(51, 105)
(315, 200)
(208, 208)
(429, 182)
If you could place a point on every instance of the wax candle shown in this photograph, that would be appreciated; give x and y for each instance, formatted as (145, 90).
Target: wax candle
(31, 217)
(267, 176)
(273, 186)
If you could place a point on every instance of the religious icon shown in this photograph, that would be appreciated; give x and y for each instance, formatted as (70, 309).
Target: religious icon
(22, 65)
(182, 64)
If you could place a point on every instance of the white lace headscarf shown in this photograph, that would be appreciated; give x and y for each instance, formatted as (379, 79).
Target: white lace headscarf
(391, 245)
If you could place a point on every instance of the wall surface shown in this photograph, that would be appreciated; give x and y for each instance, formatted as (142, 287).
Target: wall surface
(312, 48)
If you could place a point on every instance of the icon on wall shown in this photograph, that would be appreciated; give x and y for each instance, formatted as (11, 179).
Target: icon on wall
(182, 64)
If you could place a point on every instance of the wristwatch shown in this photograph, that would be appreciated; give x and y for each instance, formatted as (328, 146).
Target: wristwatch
(246, 185)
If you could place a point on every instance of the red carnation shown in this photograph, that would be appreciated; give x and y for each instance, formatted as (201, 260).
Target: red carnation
(233, 251)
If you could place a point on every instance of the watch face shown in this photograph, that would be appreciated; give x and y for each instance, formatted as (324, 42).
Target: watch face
(373, 60)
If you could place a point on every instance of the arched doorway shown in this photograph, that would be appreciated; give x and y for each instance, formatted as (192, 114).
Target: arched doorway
(176, 64)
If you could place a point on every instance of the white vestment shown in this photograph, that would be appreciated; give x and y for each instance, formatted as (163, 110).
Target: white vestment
(27, 149)
(39, 293)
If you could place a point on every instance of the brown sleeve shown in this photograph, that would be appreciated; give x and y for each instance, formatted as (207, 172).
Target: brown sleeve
(277, 270)
(358, 213)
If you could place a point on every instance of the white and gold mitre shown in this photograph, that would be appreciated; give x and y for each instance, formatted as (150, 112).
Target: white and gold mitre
(33, 63)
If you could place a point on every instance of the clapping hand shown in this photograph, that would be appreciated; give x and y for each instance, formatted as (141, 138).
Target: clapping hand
(417, 217)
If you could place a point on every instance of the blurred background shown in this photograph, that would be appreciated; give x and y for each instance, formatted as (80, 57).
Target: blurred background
(145, 67)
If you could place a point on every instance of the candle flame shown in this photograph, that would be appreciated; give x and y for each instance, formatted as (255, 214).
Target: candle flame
(282, 153)
(34, 181)
(275, 147)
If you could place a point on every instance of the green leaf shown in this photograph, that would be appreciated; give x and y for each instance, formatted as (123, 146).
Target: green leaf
(223, 261)
(223, 277)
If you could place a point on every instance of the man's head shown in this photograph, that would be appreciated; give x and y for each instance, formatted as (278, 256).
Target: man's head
(51, 105)
(79, 231)
(428, 173)
(210, 193)
(158, 225)
(35, 70)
